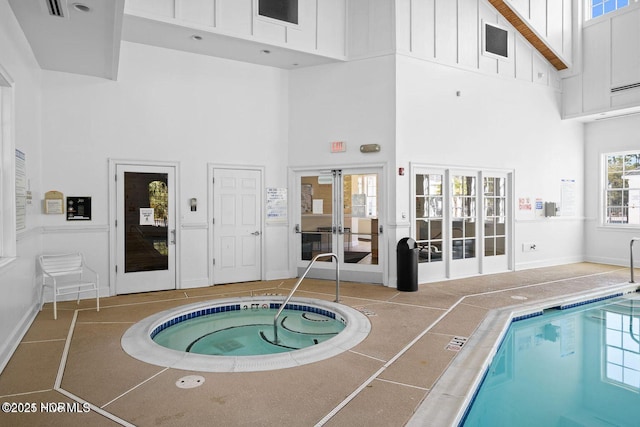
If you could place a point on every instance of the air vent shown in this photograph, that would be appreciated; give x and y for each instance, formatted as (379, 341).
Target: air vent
(55, 8)
(625, 87)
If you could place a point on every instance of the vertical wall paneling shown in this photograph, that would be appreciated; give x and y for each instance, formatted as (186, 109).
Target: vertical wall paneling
(486, 13)
(303, 37)
(538, 11)
(423, 28)
(446, 31)
(507, 67)
(625, 49)
(523, 59)
(331, 27)
(164, 8)
(199, 12)
(468, 34)
(404, 25)
(596, 67)
(555, 25)
(234, 16)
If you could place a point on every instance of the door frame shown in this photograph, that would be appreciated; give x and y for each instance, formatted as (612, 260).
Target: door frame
(484, 265)
(113, 215)
(211, 255)
(355, 273)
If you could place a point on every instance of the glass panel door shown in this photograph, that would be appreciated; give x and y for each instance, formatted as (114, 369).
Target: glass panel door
(145, 228)
(316, 216)
(339, 214)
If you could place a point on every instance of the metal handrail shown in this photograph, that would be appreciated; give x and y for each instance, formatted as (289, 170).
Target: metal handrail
(295, 287)
(631, 256)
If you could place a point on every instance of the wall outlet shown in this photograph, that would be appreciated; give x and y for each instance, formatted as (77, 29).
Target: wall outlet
(529, 247)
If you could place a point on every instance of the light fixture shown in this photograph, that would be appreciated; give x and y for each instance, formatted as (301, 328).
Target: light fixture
(196, 37)
(81, 7)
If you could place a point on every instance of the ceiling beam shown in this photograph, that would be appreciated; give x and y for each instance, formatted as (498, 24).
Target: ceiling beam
(526, 31)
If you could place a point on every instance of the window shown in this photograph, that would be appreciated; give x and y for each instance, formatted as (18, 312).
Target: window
(7, 170)
(495, 216)
(622, 188)
(429, 216)
(495, 42)
(597, 8)
(622, 356)
(280, 10)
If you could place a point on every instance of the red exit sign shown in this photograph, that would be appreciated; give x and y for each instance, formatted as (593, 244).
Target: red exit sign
(338, 146)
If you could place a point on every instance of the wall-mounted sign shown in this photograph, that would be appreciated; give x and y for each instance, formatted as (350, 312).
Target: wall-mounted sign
(147, 216)
(53, 202)
(78, 208)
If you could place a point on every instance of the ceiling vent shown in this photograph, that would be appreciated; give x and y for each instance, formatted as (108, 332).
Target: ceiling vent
(56, 8)
(625, 87)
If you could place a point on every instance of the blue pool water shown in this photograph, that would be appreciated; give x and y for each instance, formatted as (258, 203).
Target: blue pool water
(566, 368)
(249, 332)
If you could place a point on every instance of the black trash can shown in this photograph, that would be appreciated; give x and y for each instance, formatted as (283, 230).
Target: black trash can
(407, 263)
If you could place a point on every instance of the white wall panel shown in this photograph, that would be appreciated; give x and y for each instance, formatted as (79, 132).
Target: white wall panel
(331, 27)
(625, 49)
(596, 67)
(555, 25)
(538, 19)
(164, 8)
(468, 34)
(234, 16)
(422, 28)
(446, 31)
(523, 59)
(199, 12)
(303, 37)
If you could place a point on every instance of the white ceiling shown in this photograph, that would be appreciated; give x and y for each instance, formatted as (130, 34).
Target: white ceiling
(89, 42)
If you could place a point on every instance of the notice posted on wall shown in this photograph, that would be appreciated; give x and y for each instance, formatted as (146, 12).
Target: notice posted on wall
(21, 190)
(276, 206)
(568, 198)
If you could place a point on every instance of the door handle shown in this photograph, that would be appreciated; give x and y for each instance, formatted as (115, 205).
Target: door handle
(256, 233)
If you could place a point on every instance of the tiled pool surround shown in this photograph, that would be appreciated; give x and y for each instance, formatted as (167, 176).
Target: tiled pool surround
(137, 340)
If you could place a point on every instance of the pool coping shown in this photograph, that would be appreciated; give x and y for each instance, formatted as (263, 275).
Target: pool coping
(137, 342)
(447, 401)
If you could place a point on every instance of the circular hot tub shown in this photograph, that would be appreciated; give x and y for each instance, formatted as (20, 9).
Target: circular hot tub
(237, 334)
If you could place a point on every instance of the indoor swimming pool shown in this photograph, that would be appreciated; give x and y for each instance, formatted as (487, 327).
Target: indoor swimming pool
(568, 366)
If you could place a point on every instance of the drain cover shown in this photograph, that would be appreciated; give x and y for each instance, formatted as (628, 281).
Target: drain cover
(190, 381)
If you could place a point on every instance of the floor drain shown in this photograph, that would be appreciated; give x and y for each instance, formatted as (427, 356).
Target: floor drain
(190, 381)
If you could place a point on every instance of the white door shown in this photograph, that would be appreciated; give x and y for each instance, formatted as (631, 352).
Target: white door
(145, 228)
(237, 225)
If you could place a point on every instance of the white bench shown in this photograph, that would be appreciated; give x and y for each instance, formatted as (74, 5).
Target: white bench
(65, 274)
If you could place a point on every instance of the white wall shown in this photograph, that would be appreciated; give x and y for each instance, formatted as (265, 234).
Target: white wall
(166, 106)
(18, 304)
(497, 123)
(608, 245)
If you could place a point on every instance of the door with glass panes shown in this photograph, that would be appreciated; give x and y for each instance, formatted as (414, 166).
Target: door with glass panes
(462, 222)
(339, 213)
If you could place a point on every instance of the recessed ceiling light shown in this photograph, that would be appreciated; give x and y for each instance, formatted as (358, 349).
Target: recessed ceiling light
(196, 37)
(265, 51)
(81, 7)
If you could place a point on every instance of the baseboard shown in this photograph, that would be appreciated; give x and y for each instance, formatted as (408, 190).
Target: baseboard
(9, 347)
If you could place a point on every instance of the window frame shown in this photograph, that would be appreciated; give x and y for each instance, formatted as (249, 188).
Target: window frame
(604, 194)
(588, 10)
(7, 170)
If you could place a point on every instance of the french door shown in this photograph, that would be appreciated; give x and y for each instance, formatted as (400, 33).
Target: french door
(145, 228)
(462, 222)
(339, 213)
